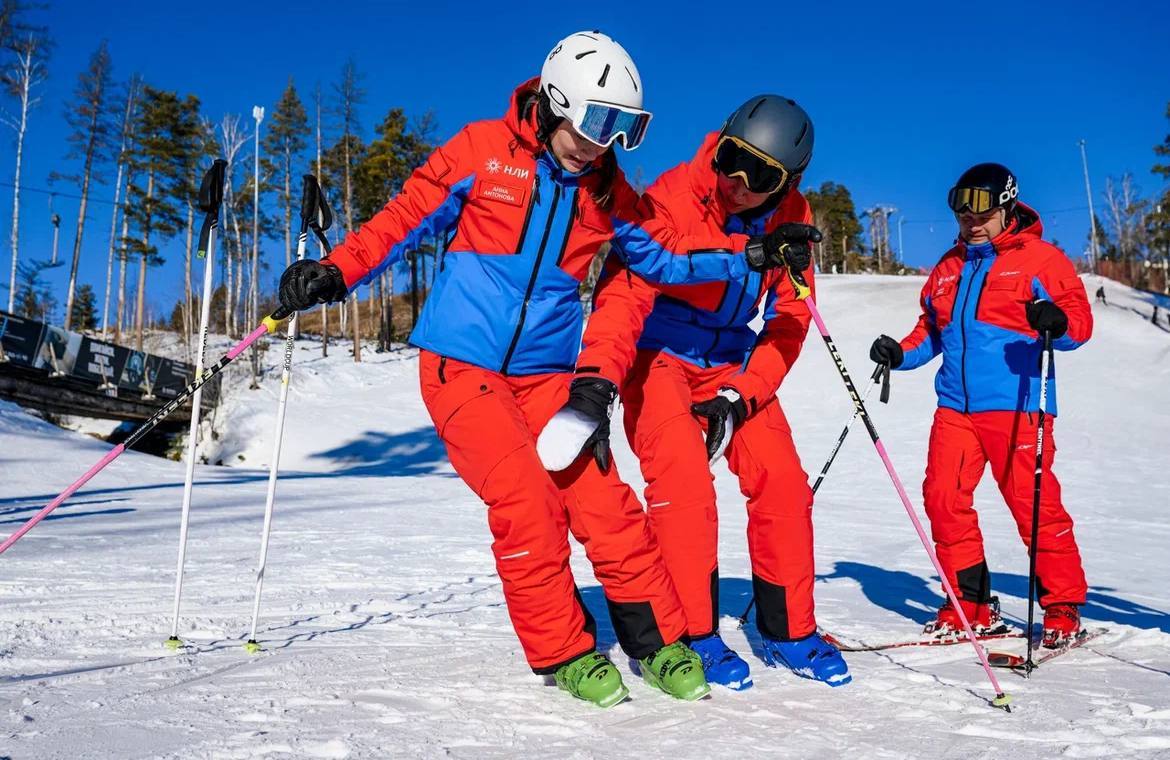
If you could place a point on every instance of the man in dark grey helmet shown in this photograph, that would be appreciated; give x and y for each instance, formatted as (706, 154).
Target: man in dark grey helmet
(702, 383)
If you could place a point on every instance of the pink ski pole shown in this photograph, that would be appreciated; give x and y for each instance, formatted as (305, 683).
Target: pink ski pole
(269, 324)
(1002, 700)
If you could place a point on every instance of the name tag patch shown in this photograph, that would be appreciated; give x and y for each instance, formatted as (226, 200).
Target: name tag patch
(494, 190)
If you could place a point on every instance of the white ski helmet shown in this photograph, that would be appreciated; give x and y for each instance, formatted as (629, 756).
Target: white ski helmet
(590, 80)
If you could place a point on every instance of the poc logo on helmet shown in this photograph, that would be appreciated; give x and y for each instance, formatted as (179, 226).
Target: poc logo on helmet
(1010, 191)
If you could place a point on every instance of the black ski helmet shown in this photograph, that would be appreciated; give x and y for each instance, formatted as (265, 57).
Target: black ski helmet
(984, 187)
(777, 126)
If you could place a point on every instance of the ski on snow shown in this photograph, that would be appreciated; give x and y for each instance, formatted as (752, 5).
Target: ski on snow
(1017, 662)
(846, 646)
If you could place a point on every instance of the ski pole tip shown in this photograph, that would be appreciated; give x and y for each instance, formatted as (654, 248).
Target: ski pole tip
(174, 643)
(252, 647)
(1003, 701)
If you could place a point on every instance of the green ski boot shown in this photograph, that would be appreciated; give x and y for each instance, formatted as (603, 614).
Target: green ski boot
(592, 678)
(677, 670)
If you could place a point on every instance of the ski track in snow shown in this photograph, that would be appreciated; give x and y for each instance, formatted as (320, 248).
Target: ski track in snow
(383, 622)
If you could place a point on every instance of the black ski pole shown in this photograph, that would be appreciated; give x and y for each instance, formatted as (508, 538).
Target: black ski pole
(804, 293)
(1046, 363)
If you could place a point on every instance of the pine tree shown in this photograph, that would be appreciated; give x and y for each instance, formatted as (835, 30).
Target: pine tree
(83, 311)
(1159, 221)
(164, 134)
(90, 141)
(836, 217)
(283, 144)
(33, 294)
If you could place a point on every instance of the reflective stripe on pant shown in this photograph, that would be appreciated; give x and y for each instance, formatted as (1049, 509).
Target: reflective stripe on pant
(680, 495)
(489, 423)
(961, 445)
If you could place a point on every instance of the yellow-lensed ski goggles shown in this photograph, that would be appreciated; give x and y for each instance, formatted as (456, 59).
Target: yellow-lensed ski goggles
(977, 200)
(736, 158)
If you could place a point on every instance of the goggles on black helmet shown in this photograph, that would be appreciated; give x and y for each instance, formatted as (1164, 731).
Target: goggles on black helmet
(736, 158)
(603, 123)
(979, 200)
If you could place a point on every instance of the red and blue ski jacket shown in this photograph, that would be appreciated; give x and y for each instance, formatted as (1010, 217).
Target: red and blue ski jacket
(521, 233)
(973, 314)
(704, 324)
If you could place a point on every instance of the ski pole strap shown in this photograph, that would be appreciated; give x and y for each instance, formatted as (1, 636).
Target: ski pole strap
(884, 370)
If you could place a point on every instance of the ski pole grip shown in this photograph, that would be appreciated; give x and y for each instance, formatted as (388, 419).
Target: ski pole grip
(273, 320)
(309, 201)
(799, 284)
(211, 190)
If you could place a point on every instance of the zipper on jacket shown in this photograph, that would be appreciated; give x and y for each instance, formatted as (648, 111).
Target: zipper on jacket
(532, 280)
(532, 201)
(963, 333)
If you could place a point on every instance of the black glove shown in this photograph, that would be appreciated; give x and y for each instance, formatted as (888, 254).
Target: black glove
(885, 350)
(785, 246)
(1045, 316)
(307, 283)
(728, 404)
(593, 397)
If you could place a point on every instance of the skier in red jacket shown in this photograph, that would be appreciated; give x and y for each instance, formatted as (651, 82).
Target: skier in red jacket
(526, 201)
(985, 307)
(691, 364)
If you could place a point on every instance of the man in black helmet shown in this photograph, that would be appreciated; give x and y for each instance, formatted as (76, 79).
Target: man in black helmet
(985, 308)
(703, 383)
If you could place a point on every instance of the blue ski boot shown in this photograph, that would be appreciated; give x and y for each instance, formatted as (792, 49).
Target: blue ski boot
(722, 665)
(810, 657)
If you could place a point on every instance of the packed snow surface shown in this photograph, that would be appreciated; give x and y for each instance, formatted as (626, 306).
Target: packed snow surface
(383, 625)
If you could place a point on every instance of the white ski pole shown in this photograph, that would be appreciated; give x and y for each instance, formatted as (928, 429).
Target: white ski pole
(312, 215)
(210, 198)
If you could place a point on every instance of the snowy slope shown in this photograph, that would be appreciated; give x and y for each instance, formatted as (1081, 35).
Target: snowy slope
(383, 622)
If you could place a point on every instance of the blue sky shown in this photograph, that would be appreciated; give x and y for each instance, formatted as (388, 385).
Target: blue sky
(904, 97)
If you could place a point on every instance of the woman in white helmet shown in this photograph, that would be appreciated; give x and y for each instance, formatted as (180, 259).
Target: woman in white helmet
(526, 201)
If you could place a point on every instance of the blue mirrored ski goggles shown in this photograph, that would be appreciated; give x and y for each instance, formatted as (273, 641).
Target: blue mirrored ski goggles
(602, 123)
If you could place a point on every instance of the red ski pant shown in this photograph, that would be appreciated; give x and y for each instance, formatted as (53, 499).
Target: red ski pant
(961, 446)
(489, 423)
(680, 495)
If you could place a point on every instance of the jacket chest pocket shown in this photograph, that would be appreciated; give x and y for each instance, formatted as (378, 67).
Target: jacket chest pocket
(495, 216)
(942, 300)
(1003, 301)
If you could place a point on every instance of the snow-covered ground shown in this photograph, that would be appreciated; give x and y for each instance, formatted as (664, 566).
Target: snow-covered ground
(383, 624)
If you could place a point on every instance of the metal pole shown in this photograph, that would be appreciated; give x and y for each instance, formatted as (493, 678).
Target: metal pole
(56, 219)
(206, 251)
(258, 115)
(901, 250)
(274, 466)
(1092, 217)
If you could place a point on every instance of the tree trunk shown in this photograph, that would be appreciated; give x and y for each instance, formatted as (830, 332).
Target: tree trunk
(188, 305)
(80, 229)
(139, 312)
(122, 257)
(15, 235)
(110, 256)
(355, 318)
(287, 209)
(325, 330)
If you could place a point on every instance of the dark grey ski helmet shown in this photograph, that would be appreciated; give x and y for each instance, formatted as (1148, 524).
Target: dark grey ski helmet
(777, 126)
